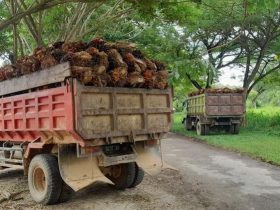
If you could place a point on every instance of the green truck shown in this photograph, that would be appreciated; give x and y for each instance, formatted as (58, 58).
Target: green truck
(215, 110)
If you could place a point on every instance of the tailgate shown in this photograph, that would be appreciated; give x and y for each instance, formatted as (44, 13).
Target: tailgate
(124, 114)
(225, 104)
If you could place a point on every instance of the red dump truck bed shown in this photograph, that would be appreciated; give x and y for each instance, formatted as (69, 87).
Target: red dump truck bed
(73, 112)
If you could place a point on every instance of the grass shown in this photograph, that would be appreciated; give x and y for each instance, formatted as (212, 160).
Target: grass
(259, 138)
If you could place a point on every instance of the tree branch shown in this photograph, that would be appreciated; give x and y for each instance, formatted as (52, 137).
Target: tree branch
(261, 77)
(43, 5)
(195, 83)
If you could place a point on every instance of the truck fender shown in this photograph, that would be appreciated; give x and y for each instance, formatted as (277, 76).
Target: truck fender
(78, 172)
(149, 157)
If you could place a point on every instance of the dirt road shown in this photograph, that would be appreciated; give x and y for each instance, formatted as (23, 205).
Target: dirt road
(207, 178)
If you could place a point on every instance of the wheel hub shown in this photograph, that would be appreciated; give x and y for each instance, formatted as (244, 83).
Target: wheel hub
(39, 180)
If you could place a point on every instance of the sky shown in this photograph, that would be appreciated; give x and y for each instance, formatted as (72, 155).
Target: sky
(231, 77)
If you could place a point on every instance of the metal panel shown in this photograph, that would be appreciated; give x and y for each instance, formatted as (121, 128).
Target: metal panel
(45, 114)
(52, 75)
(196, 105)
(216, 104)
(225, 104)
(103, 113)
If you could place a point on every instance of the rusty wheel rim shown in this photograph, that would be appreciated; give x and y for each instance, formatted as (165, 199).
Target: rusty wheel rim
(39, 180)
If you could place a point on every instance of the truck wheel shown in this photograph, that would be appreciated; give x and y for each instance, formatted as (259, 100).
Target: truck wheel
(66, 193)
(44, 179)
(139, 176)
(188, 124)
(236, 128)
(122, 175)
(207, 129)
(230, 129)
(200, 129)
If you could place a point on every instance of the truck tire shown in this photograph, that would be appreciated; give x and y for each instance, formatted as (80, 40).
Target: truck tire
(230, 129)
(44, 179)
(66, 193)
(122, 175)
(200, 129)
(139, 176)
(188, 123)
(236, 128)
(207, 129)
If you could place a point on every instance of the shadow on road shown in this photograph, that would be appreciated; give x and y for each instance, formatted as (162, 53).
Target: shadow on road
(10, 173)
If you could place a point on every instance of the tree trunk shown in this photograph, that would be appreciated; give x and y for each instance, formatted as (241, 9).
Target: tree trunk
(15, 43)
(259, 92)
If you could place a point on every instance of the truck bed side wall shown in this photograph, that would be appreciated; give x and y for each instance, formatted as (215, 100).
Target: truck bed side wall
(196, 105)
(45, 114)
(217, 104)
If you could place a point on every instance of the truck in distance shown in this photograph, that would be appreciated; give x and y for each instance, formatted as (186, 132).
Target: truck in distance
(211, 109)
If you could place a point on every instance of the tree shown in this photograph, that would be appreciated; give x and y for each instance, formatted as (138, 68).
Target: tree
(267, 91)
(233, 36)
(34, 7)
(68, 22)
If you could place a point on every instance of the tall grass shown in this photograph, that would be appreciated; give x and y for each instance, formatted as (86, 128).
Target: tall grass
(264, 119)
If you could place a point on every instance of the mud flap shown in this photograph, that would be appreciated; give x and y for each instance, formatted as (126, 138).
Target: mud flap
(78, 172)
(149, 158)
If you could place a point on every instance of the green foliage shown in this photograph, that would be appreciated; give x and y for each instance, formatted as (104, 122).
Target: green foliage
(266, 92)
(257, 5)
(172, 11)
(267, 118)
(271, 97)
(6, 42)
(5, 35)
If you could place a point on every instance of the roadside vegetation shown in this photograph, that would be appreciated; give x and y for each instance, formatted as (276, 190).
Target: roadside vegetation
(259, 137)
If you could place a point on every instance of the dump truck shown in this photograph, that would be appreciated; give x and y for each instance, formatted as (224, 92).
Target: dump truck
(215, 110)
(67, 136)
